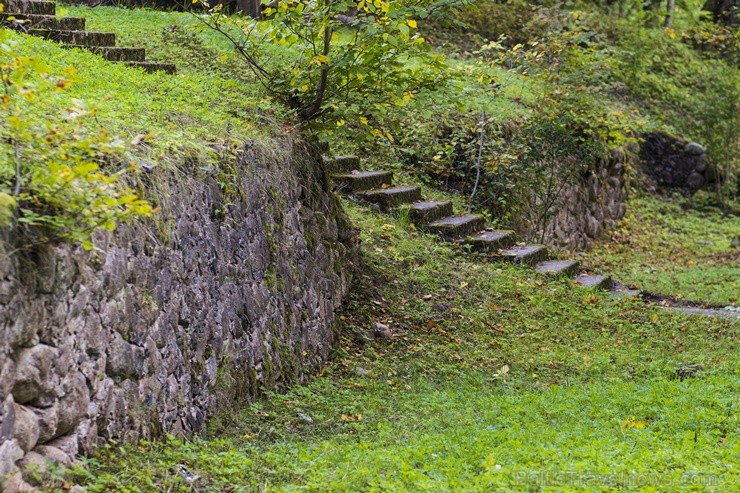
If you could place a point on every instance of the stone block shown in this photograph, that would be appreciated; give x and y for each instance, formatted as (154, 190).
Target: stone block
(26, 428)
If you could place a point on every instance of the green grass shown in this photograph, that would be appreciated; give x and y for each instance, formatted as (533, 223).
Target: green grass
(676, 248)
(180, 114)
(497, 379)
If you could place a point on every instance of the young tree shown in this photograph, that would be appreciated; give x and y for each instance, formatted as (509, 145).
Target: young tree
(348, 55)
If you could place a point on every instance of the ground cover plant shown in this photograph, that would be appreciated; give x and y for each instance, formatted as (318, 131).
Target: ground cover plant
(677, 247)
(495, 378)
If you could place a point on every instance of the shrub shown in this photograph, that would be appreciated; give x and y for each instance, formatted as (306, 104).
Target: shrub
(59, 177)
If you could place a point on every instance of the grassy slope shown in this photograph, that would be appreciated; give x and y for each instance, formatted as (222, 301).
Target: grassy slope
(497, 378)
(181, 113)
(675, 247)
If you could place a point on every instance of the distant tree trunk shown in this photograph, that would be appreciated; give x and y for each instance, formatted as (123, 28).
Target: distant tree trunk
(252, 8)
(669, 13)
(724, 11)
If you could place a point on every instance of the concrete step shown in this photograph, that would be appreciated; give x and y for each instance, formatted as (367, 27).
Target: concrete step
(567, 268)
(525, 254)
(115, 53)
(151, 67)
(491, 241)
(388, 198)
(455, 227)
(35, 21)
(342, 164)
(422, 213)
(83, 38)
(596, 281)
(29, 7)
(362, 180)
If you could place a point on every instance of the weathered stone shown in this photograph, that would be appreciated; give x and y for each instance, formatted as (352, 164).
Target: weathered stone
(34, 467)
(422, 213)
(32, 375)
(67, 444)
(362, 180)
(694, 149)
(10, 453)
(558, 267)
(695, 181)
(382, 331)
(48, 419)
(525, 254)
(389, 198)
(457, 227)
(16, 484)
(7, 419)
(57, 454)
(26, 428)
(123, 360)
(135, 335)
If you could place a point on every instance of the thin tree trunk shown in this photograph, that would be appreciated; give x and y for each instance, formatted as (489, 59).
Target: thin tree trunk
(671, 7)
(252, 8)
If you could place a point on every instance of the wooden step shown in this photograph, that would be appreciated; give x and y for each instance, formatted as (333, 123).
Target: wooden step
(115, 53)
(35, 21)
(525, 254)
(596, 281)
(362, 180)
(29, 7)
(567, 268)
(388, 198)
(457, 227)
(422, 213)
(83, 38)
(491, 241)
(151, 67)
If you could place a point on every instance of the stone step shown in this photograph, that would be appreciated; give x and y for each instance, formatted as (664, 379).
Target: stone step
(525, 254)
(115, 53)
(567, 268)
(422, 213)
(362, 180)
(35, 21)
(151, 67)
(388, 198)
(29, 7)
(342, 164)
(491, 241)
(597, 281)
(454, 227)
(84, 38)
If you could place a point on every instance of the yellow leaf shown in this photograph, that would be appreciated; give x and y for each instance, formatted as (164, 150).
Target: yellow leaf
(411, 23)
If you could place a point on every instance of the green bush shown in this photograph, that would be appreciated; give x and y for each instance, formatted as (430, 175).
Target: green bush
(60, 177)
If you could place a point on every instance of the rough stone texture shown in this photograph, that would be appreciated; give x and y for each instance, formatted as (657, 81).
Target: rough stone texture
(671, 163)
(171, 319)
(590, 205)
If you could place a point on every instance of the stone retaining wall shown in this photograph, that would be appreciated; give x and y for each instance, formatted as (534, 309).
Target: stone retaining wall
(169, 320)
(591, 204)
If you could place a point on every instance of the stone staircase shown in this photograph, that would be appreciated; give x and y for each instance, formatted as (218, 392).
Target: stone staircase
(39, 19)
(438, 217)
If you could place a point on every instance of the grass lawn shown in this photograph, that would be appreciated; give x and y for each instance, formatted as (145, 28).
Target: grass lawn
(496, 380)
(680, 248)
